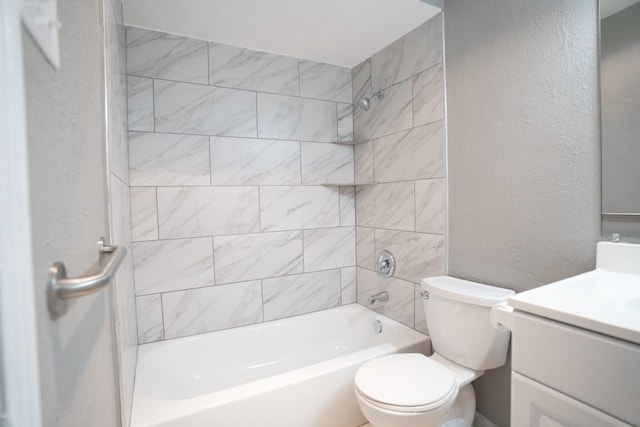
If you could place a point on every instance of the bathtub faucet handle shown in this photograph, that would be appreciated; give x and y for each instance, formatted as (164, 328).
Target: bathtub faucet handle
(385, 264)
(379, 297)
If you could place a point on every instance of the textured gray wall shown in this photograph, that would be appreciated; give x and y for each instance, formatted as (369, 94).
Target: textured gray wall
(524, 148)
(65, 119)
(620, 125)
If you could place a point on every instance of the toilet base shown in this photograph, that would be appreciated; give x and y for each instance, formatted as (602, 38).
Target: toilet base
(459, 413)
(463, 410)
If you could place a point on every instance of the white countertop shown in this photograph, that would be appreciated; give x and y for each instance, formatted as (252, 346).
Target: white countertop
(601, 300)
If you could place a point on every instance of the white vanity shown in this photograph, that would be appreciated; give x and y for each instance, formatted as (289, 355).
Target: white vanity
(576, 346)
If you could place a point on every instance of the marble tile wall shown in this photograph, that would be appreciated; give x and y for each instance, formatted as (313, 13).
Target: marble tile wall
(401, 162)
(122, 287)
(228, 151)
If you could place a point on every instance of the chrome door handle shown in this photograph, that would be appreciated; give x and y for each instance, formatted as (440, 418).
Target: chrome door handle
(61, 288)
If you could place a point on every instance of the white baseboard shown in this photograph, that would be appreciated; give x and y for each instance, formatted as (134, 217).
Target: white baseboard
(478, 421)
(482, 421)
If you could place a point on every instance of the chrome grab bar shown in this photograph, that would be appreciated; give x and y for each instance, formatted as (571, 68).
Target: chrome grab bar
(60, 288)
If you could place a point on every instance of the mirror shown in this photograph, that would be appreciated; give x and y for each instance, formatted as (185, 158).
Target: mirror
(620, 106)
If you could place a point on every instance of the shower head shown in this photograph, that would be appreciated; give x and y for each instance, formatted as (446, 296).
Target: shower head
(365, 103)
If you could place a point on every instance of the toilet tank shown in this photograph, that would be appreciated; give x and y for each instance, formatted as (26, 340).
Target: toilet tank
(457, 313)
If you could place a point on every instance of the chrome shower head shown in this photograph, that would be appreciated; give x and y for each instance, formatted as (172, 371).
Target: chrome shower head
(365, 103)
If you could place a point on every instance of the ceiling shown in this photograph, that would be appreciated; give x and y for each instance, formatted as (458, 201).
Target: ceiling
(610, 7)
(340, 32)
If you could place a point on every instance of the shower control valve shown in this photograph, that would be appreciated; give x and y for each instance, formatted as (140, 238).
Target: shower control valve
(385, 264)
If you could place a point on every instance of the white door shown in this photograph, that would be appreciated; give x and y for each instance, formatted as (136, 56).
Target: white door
(55, 373)
(19, 381)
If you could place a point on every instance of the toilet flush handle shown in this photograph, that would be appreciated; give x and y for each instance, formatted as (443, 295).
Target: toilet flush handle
(501, 316)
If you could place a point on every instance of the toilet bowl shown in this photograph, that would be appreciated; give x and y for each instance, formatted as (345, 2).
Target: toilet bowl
(413, 390)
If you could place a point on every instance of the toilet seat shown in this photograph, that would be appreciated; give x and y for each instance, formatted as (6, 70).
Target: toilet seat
(409, 382)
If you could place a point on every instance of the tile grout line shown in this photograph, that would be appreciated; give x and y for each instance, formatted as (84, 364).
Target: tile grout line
(339, 207)
(279, 139)
(257, 119)
(262, 298)
(366, 93)
(413, 300)
(326, 185)
(414, 207)
(413, 119)
(153, 103)
(259, 210)
(164, 327)
(222, 285)
(299, 79)
(341, 288)
(304, 267)
(157, 214)
(238, 89)
(210, 164)
(337, 124)
(300, 162)
(208, 63)
(291, 230)
(213, 261)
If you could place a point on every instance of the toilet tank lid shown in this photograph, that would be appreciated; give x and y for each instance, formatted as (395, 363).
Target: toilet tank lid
(465, 290)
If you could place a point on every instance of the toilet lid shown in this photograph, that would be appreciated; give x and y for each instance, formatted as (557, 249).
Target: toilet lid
(406, 380)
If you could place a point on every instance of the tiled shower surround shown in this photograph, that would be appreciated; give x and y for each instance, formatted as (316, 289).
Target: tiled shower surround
(228, 151)
(402, 158)
(119, 209)
(228, 148)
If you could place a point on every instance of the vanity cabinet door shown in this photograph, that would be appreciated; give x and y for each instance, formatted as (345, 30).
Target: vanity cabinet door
(595, 369)
(535, 405)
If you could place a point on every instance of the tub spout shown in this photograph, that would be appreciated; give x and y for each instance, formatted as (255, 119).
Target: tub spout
(379, 297)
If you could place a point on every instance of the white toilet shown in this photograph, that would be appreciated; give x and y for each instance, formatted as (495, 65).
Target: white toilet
(412, 390)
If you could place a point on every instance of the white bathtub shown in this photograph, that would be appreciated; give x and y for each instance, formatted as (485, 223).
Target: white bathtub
(295, 372)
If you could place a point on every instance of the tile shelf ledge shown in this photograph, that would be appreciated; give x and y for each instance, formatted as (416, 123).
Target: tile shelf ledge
(351, 143)
(346, 184)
